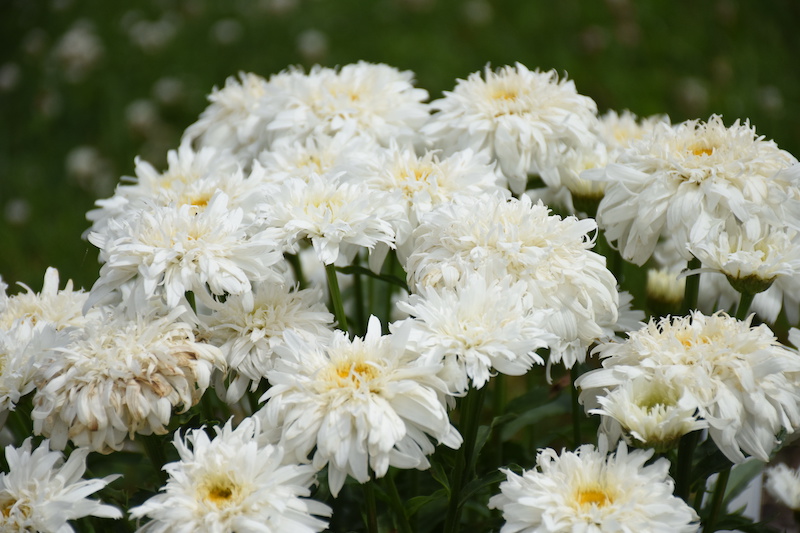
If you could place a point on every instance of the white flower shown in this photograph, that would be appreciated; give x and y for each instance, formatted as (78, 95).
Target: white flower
(337, 216)
(41, 492)
(591, 492)
(233, 120)
(783, 484)
(650, 412)
(501, 237)
(168, 251)
(120, 377)
(478, 327)
(357, 405)
(61, 308)
(233, 482)
(372, 99)
(694, 174)
(745, 385)
(248, 335)
(524, 119)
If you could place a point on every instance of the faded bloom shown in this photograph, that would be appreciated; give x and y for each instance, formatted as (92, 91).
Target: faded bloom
(41, 492)
(592, 492)
(783, 484)
(122, 376)
(233, 482)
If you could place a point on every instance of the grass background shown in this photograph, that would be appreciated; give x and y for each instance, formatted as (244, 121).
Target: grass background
(74, 116)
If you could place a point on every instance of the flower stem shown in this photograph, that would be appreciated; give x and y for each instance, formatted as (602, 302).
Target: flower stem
(719, 496)
(397, 504)
(744, 305)
(336, 297)
(297, 270)
(469, 421)
(577, 412)
(683, 478)
(692, 286)
(372, 508)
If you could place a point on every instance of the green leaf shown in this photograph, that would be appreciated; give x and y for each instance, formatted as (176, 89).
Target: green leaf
(438, 473)
(559, 406)
(741, 475)
(388, 278)
(416, 503)
(477, 485)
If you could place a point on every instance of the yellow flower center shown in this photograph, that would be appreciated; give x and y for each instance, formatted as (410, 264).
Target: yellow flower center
(218, 491)
(593, 497)
(504, 94)
(701, 150)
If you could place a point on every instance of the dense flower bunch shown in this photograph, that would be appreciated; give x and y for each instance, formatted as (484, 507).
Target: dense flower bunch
(334, 282)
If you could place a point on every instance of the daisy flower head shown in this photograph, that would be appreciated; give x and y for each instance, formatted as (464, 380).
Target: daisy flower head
(477, 328)
(233, 120)
(42, 492)
(525, 120)
(375, 99)
(501, 237)
(62, 308)
(233, 482)
(677, 178)
(247, 329)
(167, 251)
(783, 484)
(648, 413)
(122, 376)
(337, 216)
(744, 383)
(591, 491)
(358, 405)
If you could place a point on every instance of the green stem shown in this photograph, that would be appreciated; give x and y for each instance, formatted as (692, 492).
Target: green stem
(372, 508)
(358, 293)
(498, 408)
(297, 270)
(744, 305)
(397, 504)
(336, 297)
(577, 412)
(469, 421)
(692, 286)
(683, 477)
(718, 498)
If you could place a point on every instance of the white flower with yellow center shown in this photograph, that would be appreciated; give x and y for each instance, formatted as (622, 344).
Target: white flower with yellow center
(592, 492)
(337, 216)
(477, 328)
(358, 405)
(373, 99)
(248, 335)
(165, 252)
(523, 119)
(649, 413)
(41, 492)
(122, 376)
(695, 174)
(501, 237)
(233, 482)
(745, 384)
(783, 484)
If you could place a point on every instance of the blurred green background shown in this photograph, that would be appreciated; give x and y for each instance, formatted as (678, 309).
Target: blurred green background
(86, 85)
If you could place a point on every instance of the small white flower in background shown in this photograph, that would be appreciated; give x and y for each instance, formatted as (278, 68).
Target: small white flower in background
(124, 375)
(476, 329)
(677, 178)
(501, 237)
(167, 251)
(41, 492)
(783, 484)
(372, 99)
(337, 216)
(524, 119)
(232, 120)
(248, 336)
(745, 384)
(650, 412)
(358, 405)
(590, 491)
(618, 130)
(233, 482)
